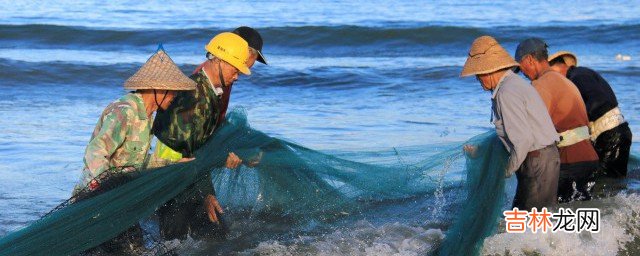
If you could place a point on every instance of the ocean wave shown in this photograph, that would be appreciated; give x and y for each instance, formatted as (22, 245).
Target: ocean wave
(20, 73)
(619, 234)
(289, 62)
(177, 14)
(362, 239)
(312, 37)
(71, 66)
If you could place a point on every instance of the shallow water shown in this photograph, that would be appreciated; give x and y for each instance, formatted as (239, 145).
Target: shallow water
(342, 78)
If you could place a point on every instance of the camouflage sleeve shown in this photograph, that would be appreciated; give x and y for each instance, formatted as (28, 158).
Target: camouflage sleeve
(172, 126)
(105, 142)
(154, 161)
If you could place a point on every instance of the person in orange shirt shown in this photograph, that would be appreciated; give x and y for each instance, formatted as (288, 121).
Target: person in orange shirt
(569, 115)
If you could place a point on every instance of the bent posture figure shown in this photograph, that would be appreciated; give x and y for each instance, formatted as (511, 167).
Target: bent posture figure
(192, 119)
(122, 137)
(569, 115)
(610, 133)
(521, 122)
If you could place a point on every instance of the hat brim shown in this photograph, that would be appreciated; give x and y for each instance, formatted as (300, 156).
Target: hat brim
(245, 70)
(160, 73)
(261, 58)
(568, 57)
(474, 66)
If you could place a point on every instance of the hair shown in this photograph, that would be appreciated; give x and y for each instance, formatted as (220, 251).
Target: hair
(213, 58)
(558, 60)
(540, 54)
(253, 52)
(210, 56)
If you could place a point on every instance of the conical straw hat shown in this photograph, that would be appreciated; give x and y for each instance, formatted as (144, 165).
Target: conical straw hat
(569, 58)
(486, 56)
(161, 73)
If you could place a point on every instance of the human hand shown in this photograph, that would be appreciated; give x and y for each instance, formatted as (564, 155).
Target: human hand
(508, 174)
(471, 150)
(186, 159)
(233, 161)
(93, 185)
(213, 208)
(255, 161)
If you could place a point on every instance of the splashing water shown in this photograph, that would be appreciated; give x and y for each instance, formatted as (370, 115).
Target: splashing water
(291, 182)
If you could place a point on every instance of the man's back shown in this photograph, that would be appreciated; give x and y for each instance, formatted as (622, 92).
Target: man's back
(563, 100)
(567, 111)
(190, 120)
(596, 92)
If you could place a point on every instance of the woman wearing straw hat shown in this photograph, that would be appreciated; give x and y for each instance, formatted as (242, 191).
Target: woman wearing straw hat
(610, 133)
(521, 122)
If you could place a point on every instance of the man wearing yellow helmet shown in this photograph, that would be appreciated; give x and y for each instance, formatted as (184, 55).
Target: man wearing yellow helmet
(189, 122)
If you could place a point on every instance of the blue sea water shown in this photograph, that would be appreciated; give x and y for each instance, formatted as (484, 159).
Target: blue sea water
(342, 77)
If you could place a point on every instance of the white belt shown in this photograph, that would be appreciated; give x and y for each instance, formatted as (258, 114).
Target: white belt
(608, 121)
(573, 136)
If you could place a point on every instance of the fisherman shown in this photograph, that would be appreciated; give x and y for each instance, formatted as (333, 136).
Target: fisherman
(122, 137)
(193, 119)
(610, 133)
(521, 122)
(569, 115)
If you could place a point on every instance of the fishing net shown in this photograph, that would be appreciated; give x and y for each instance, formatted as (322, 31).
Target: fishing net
(485, 184)
(290, 181)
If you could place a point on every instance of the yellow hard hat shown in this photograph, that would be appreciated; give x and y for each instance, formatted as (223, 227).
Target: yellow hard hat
(231, 48)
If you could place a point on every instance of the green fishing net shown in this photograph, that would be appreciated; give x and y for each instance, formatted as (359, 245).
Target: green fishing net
(291, 181)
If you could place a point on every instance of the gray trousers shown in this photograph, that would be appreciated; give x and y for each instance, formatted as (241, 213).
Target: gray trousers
(538, 179)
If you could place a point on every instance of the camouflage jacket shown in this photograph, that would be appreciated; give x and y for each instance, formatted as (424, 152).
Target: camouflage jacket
(191, 118)
(121, 138)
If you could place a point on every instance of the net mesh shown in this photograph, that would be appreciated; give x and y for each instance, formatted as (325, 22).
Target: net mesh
(290, 181)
